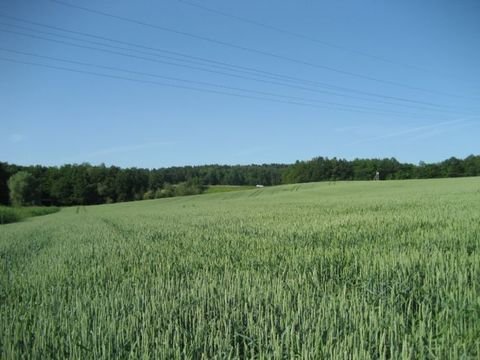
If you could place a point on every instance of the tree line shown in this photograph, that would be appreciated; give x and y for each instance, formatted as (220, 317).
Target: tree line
(324, 169)
(85, 184)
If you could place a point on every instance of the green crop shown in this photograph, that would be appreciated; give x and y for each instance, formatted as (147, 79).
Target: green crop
(10, 214)
(352, 270)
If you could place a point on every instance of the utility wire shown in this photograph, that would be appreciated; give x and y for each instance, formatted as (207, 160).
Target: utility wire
(130, 55)
(181, 59)
(252, 50)
(217, 63)
(305, 100)
(146, 81)
(268, 74)
(177, 79)
(143, 57)
(213, 71)
(297, 35)
(200, 59)
(61, 68)
(311, 39)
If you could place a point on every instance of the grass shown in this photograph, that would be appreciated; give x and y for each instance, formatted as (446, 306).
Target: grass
(213, 189)
(14, 214)
(359, 270)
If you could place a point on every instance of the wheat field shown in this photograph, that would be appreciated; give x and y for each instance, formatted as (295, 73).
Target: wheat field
(346, 270)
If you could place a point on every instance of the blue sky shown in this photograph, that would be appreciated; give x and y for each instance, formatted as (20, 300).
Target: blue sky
(309, 78)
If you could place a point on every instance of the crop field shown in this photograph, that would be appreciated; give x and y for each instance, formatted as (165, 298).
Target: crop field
(13, 214)
(352, 270)
(212, 189)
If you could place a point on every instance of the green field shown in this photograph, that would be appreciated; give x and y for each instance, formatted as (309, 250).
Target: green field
(10, 214)
(352, 270)
(213, 189)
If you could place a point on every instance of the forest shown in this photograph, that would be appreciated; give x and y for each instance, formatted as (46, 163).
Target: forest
(85, 184)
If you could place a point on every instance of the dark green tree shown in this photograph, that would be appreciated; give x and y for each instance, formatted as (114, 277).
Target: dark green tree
(4, 175)
(23, 189)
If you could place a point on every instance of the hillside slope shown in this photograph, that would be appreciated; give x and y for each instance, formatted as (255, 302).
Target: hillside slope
(352, 269)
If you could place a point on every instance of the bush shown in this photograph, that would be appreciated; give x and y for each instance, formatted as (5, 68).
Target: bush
(23, 189)
(8, 215)
(15, 214)
(150, 194)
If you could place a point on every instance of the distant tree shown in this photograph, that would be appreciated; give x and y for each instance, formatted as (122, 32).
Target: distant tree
(234, 176)
(150, 194)
(23, 189)
(453, 167)
(365, 169)
(211, 177)
(168, 190)
(124, 185)
(4, 175)
(190, 187)
(405, 171)
(62, 186)
(472, 165)
(85, 184)
(155, 179)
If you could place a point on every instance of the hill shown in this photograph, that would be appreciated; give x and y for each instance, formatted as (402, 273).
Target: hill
(85, 184)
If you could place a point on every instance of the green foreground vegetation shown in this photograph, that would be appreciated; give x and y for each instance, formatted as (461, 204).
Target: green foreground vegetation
(357, 270)
(213, 189)
(10, 214)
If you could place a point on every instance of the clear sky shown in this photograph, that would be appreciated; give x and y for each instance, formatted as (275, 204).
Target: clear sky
(158, 83)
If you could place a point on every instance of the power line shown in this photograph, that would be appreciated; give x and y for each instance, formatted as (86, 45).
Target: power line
(311, 39)
(275, 76)
(152, 82)
(304, 100)
(107, 45)
(213, 71)
(129, 55)
(200, 59)
(61, 68)
(251, 50)
(296, 35)
(176, 79)
(169, 63)
(217, 63)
